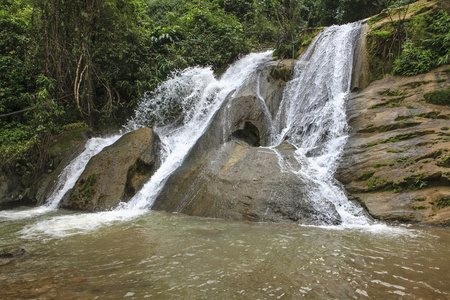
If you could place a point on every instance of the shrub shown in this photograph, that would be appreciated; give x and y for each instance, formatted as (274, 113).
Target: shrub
(413, 61)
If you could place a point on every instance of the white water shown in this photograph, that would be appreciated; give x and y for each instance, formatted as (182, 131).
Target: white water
(312, 115)
(199, 94)
(66, 180)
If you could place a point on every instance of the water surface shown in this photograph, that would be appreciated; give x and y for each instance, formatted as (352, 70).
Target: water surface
(168, 256)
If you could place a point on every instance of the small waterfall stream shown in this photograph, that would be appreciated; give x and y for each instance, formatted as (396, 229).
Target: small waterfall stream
(312, 114)
(311, 117)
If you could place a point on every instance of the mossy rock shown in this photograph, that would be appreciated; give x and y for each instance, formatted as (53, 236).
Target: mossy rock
(439, 97)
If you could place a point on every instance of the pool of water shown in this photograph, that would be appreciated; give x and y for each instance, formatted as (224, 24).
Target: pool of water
(169, 256)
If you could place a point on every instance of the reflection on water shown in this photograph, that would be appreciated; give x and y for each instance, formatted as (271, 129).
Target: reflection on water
(171, 256)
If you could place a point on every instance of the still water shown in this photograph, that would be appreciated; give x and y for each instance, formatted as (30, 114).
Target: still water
(168, 256)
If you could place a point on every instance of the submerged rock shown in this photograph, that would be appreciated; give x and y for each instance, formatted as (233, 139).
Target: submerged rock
(9, 253)
(116, 173)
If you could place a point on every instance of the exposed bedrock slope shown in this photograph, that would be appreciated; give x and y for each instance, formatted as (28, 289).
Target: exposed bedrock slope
(396, 161)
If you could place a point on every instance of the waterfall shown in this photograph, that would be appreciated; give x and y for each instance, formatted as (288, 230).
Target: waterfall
(65, 181)
(311, 117)
(312, 114)
(198, 94)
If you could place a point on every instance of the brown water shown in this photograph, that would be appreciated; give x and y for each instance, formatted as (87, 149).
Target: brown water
(165, 256)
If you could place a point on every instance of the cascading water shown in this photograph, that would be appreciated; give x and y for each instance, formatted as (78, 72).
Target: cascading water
(66, 180)
(312, 115)
(199, 95)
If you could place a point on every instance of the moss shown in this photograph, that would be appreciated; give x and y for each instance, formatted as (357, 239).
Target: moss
(406, 136)
(370, 145)
(420, 199)
(377, 18)
(394, 93)
(402, 159)
(444, 162)
(385, 128)
(439, 97)
(443, 117)
(281, 73)
(428, 115)
(394, 102)
(137, 170)
(444, 128)
(411, 183)
(416, 84)
(419, 207)
(421, 144)
(65, 142)
(394, 151)
(442, 202)
(365, 176)
(376, 185)
(86, 189)
(434, 155)
(380, 165)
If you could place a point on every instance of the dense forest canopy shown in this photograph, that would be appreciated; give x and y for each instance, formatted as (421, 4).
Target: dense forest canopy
(68, 63)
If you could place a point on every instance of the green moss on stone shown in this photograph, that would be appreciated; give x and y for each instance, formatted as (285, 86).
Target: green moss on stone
(365, 176)
(439, 97)
(442, 202)
(406, 136)
(419, 207)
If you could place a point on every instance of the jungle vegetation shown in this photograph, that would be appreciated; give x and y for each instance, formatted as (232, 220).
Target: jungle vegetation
(70, 64)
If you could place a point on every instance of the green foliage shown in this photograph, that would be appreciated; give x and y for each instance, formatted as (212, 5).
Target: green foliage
(413, 61)
(409, 46)
(218, 38)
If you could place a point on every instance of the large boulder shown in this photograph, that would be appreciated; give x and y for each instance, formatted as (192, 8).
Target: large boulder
(241, 182)
(396, 161)
(228, 175)
(116, 173)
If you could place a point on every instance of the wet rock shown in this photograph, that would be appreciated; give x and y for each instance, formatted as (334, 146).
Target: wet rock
(226, 175)
(395, 159)
(241, 182)
(116, 173)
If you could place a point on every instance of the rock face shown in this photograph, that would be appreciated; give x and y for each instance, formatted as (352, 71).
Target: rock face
(17, 190)
(226, 174)
(116, 173)
(396, 159)
(241, 182)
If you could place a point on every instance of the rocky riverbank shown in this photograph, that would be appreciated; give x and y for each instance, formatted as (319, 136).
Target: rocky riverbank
(397, 159)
